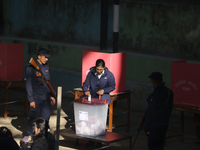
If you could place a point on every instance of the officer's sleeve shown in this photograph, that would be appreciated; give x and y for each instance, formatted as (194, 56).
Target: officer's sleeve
(29, 88)
(48, 73)
(150, 112)
(111, 84)
(86, 84)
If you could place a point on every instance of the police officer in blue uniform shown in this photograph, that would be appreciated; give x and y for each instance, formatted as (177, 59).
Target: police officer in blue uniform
(38, 92)
(100, 81)
(160, 103)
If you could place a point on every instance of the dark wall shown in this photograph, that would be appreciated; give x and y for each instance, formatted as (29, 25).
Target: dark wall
(161, 28)
(66, 21)
(1, 17)
(168, 28)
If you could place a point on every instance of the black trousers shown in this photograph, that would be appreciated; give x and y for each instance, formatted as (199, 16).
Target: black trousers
(156, 138)
(42, 108)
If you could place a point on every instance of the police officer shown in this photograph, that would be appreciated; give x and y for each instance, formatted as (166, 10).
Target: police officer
(38, 92)
(160, 103)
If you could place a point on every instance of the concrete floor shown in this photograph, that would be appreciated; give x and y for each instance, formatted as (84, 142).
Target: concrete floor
(17, 123)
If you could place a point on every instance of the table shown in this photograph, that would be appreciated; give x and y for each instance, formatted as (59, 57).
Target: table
(113, 97)
(182, 109)
(7, 85)
(106, 138)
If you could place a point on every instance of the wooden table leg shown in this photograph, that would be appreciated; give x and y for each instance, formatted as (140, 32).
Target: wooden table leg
(0, 93)
(76, 94)
(6, 103)
(128, 112)
(182, 126)
(110, 117)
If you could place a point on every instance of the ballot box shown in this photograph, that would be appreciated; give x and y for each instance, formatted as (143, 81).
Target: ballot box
(90, 116)
(11, 61)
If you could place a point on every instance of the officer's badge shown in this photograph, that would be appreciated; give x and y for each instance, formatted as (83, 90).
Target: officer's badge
(38, 74)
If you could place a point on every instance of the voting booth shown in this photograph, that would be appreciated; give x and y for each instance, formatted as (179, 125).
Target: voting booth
(185, 83)
(115, 62)
(11, 61)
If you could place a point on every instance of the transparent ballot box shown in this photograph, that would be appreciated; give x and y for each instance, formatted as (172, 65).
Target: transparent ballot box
(90, 116)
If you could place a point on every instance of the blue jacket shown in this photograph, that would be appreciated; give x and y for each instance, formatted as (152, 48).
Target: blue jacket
(35, 90)
(107, 83)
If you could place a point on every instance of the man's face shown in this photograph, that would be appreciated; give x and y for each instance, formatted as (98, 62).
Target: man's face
(37, 130)
(153, 83)
(42, 59)
(99, 69)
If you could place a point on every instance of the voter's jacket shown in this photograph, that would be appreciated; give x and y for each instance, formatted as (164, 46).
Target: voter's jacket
(35, 90)
(106, 82)
(160, 103)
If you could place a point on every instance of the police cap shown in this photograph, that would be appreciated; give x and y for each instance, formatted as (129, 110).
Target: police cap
(44, 52)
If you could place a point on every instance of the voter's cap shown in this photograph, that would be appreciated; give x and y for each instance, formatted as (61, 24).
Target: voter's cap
(156, 76)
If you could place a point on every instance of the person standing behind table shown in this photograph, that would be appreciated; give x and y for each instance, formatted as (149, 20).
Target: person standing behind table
(160, 103)
(100, 81)
(6, 140)
(38, 92)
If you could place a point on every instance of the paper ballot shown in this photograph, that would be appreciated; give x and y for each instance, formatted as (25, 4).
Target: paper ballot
(89, 98)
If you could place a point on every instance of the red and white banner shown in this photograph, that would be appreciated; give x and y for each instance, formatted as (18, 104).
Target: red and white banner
(185, 83)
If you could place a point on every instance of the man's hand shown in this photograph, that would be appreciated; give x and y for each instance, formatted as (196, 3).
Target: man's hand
(53, 101)
(32, 104)
(100, 92)
(87, 93)
(21, 142)
(148, 132)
